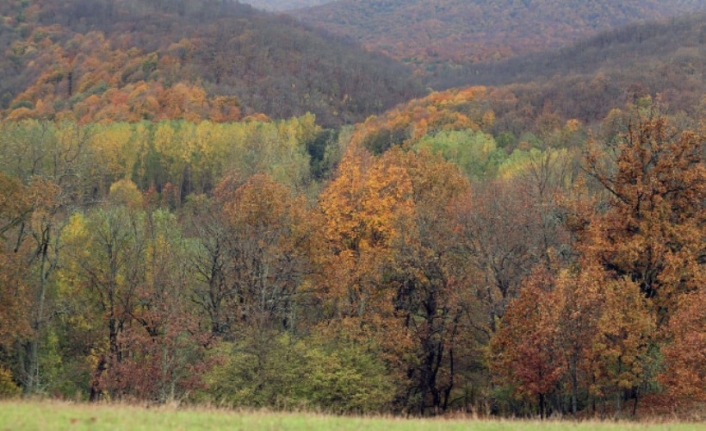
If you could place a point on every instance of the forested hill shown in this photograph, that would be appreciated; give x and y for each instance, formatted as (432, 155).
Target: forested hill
(425, 32)
(157, 59)
(593, 76)
(638, 48)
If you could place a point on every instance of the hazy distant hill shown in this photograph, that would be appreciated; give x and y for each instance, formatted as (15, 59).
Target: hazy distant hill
(635, 49)
(134, 59)
(279, 5)
(431, 31)
(589, 78)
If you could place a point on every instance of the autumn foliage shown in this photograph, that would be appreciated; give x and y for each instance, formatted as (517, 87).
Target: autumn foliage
(639, 244)
(425, 261)
(432, 33)
(222, 61)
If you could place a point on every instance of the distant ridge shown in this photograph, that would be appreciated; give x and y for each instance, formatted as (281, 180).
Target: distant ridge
(429, 32)
(617, 67)
(282, 5)
(637, 48)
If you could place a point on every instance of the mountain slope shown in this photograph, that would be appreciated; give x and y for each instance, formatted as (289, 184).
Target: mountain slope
(589, 78)
(135, 59)
(634, 49)
(430, 31)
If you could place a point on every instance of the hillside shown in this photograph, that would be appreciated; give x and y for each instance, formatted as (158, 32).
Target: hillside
(589, 78)
(151, 59)
(426, 32)
(629, 48)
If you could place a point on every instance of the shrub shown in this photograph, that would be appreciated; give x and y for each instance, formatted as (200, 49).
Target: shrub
(295, 374)
(8, 387)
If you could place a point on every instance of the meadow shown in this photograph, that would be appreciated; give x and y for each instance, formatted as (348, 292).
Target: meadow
(52, 415)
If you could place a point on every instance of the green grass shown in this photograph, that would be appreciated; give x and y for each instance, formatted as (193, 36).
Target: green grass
(19, 415)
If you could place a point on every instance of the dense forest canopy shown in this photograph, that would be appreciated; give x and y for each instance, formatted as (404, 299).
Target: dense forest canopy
(151, 59)
(205, 262)
(170, 230)
(592, 77)
(427, 33)
(640, 51)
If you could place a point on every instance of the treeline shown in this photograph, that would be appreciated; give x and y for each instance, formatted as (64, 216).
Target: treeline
(195, 60)
(421, 262)
(179, 156)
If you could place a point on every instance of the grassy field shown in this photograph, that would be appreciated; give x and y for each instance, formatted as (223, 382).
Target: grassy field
(18, 415)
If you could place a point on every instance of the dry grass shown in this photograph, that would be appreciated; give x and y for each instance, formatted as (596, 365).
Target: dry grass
(52, 415)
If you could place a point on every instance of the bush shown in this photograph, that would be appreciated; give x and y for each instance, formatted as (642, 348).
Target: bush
(290, 374)
(8, 387)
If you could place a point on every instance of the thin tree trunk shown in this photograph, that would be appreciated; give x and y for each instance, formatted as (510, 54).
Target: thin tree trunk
(33, 381)
(574, 388)
(96, 392)
(637, 397)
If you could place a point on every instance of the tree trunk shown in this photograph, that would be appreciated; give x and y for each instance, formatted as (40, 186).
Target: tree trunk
(96, 392)
(574, 387)
(33, 378)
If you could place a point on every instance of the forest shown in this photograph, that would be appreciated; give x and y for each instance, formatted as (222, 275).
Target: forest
(528, 248)
(153, 59)
(430, 34)
(231, 263)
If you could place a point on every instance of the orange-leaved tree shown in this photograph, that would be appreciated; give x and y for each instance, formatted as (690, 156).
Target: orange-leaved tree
(685, 355)
(652, 227)
(435, 284)
(366, 209)
(645, 231)
(524, 353)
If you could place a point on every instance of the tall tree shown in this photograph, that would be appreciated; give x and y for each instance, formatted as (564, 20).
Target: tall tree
(163, 343)
(523, 352)
(253, 257)
(641, 239)
(652, 228)
(435, 284)
(103, 269)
